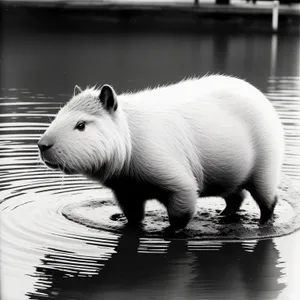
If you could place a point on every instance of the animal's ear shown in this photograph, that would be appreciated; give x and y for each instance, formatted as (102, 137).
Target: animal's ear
(77, 90)
(108, 98)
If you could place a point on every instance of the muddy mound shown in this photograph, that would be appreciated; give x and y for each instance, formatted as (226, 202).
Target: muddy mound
(102, 213)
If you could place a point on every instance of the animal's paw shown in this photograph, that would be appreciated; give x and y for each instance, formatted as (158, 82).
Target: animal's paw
(266, 221)
(170, 232)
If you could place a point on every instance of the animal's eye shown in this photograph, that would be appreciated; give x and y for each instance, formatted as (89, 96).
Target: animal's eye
(80, 126)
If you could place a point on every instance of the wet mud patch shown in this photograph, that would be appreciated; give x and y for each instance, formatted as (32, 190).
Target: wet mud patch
(103, 213)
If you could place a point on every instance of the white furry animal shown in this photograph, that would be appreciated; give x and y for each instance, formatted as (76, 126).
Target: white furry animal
(213, 136)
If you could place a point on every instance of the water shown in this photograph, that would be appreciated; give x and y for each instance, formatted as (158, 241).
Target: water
(46, 256)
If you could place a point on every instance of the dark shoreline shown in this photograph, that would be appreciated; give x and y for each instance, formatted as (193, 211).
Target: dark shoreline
(201, 18)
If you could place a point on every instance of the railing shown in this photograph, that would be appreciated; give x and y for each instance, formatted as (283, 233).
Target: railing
(275, 11)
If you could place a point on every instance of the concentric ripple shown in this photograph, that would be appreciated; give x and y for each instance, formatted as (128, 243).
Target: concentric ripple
(284, 93)
(36, 238)
(57, 228)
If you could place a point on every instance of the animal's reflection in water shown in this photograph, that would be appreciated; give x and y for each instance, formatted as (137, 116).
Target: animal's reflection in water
(182, 272)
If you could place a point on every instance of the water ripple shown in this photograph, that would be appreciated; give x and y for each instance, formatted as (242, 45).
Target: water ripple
(41, 248)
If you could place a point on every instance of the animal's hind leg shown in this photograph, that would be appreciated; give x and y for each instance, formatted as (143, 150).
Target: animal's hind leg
(266, 199)
(233, 202)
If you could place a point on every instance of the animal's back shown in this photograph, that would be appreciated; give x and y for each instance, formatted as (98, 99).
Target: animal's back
(220, 126)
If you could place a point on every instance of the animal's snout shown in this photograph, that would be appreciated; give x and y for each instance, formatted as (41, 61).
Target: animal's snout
(44, 144)
(44, 147)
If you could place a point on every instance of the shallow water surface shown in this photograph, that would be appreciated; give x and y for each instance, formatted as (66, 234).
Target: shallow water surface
(45, 255)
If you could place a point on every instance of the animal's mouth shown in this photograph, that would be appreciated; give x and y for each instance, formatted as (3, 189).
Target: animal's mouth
(57, 166)
(51, 162)
(51, 165)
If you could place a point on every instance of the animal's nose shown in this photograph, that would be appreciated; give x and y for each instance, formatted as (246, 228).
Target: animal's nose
(44, 145)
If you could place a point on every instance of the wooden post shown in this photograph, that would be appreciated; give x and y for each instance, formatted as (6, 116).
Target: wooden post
(196, 2)
(275, 14)
(274, 46)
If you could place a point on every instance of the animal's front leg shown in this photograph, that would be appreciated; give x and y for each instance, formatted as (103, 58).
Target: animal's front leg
(132, 206)
(181, 207)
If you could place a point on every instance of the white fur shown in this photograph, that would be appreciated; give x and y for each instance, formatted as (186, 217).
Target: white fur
(216, 131)
(105, 140)
(215, 124)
